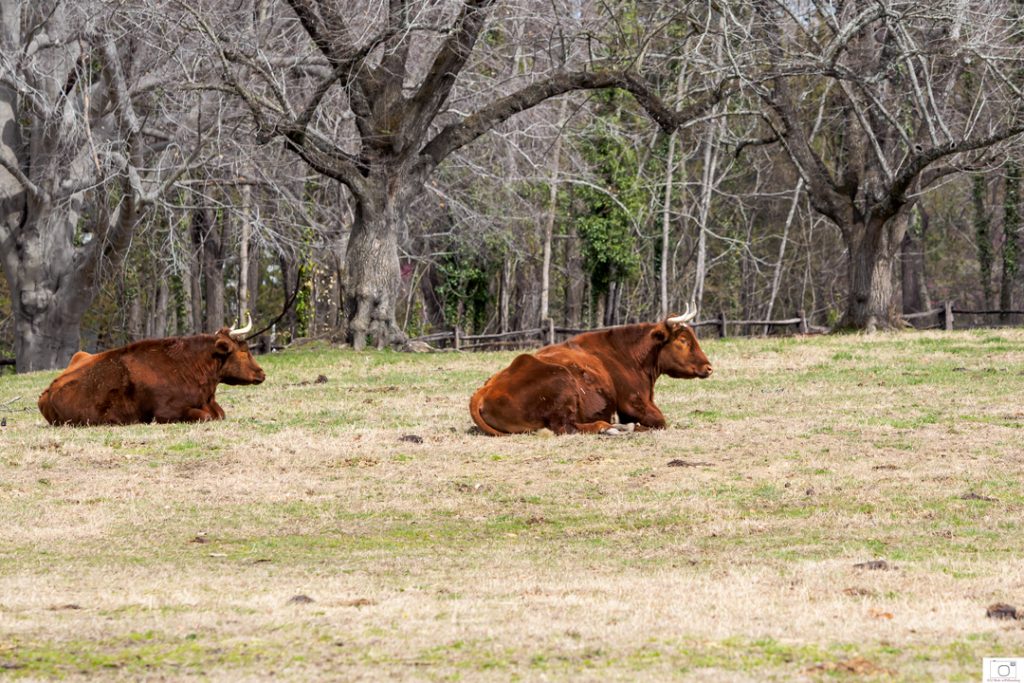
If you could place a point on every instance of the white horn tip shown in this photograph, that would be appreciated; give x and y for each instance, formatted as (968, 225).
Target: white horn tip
(237, 333)
(690, 314)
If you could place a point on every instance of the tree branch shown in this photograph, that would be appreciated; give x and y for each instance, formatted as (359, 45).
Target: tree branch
(448, 62)
(22, 179)
(341, 168)
(330, 33)
(917, 164)
(822, 189)
(457, 135)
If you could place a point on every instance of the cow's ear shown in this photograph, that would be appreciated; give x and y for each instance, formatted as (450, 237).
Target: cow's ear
(222, 347)
(661, 333)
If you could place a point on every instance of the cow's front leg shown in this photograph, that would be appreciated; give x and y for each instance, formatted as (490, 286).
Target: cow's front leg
(215, 409)
(645, 414)
(597, 427)
(188, 414)
(203, 414)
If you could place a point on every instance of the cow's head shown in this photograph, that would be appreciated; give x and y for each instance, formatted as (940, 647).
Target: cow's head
(681, 356)
(238, 367)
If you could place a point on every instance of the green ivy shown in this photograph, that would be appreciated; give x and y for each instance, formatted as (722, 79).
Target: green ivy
(465, 280)
(607, 214)
(982, 235)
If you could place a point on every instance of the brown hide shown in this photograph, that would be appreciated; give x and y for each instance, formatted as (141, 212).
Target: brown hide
(166, 380)
(578, 385)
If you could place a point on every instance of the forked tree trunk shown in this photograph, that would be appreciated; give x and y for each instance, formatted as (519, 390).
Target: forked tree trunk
(872, 302)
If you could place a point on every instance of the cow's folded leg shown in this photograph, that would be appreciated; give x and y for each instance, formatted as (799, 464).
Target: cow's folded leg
(215, 410)
(599, 427)
(187, 415)
(627, 427)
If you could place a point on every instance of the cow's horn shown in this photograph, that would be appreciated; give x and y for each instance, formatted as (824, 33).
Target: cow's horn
(239, 333)
(690, 314)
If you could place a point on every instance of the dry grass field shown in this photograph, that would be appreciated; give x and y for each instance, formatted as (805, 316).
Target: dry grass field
(357, 529)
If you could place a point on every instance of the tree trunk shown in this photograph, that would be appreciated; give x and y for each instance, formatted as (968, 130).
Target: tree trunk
(575, 281)
(160, 310)
(549, 220)
(872, 302)
(289, 320)
(666, 224)
(1011, 227)
(195, 280)
(213, 270)
(373, 270)
(253, 288)
(508, 268)
(136, 325)
(704, 213)
(912, 264)
(243, 253)
(983, 236)
(777, 274)
(47, 305)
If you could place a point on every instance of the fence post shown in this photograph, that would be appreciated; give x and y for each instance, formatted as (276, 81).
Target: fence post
(458, 340)
(721, 324)
(947, 316)
(802, 314)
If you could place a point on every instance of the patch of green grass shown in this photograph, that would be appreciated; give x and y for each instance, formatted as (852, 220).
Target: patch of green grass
(133, 654)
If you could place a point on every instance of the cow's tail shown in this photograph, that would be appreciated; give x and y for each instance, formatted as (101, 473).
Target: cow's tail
(474, 410)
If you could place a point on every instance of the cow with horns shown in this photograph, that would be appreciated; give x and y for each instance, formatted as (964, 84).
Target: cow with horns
(164, 380)
(578, 385)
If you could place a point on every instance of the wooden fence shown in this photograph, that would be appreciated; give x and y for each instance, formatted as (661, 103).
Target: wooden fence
(549, 333)
(946, 316)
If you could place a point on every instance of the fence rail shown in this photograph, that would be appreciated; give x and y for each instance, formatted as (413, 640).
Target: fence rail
(549, 333)
(948, 311)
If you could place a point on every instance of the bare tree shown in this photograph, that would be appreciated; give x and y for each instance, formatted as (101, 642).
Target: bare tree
(72, 134)
(922, 90)
(379, 115)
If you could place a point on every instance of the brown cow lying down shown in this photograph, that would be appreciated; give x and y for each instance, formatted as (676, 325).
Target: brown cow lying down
(166, 380)
(577, 386)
